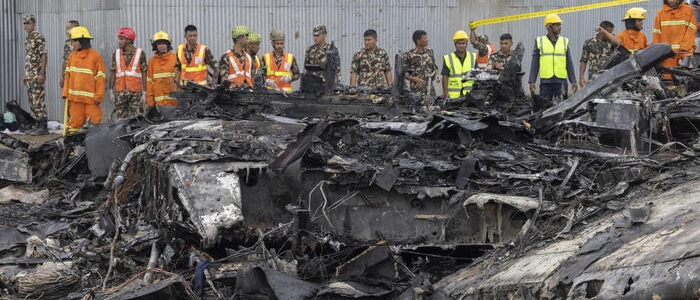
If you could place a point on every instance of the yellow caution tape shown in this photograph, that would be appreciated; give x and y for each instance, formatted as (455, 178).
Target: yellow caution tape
(543, 13)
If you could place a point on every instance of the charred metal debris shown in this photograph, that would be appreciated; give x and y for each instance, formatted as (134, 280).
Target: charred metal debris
(345, 193)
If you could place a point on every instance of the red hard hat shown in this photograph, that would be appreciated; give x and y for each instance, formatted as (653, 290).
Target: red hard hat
(127, 32)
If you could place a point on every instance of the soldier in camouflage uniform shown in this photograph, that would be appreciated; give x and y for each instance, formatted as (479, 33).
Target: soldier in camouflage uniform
(498, 60)
(128, 100)
(370, 65)
(316, 53)
(596, 51)
(420, 66)
(67, 47)
(35, 73)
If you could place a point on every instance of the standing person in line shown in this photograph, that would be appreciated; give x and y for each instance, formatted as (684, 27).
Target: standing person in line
(281, 66)
(484, 50)
(127, 76)
(161, 76)
(632, 38)
(317, 54)
(420, 66)
(455, 65)
(552, 64)
(84, 84)
(67, 47)
(675, 25)
(498, 60)
(194, 61)
(35, 58)
(596, 52)
(254, 40)
(370, 65)
(236, 65)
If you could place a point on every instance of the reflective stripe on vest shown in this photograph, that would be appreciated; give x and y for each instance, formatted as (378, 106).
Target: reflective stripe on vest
(128, 77)
(239, 72)
(163, 98)
(81, 93)
(196, 69)
(276, 72)
(552, 57)
(455, 86)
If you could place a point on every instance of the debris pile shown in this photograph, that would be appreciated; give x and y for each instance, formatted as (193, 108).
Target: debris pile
(355, 194)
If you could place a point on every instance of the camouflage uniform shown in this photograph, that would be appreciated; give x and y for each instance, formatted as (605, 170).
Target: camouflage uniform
(595, 54)
(67, 48)
(35, 47)
(499, 58)
(424, 67)
(127, 103)
(316, 55)
(370, 67)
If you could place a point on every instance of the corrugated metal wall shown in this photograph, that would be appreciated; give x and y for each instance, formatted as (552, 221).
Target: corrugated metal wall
(394, 20)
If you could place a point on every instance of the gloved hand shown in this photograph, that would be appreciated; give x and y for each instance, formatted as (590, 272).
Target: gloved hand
(286, 79)
(271, 84)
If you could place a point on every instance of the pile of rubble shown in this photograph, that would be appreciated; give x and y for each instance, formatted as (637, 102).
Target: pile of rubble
(253, 194)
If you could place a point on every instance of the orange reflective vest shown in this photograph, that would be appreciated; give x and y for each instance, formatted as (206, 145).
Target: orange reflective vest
(676, 27)
(161, 80)
(276, 72)
(84, 77)
(239, 71)
(128, 77)
(196, 69)
(483, 61)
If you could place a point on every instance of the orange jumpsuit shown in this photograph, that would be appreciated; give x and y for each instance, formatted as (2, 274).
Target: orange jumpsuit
(632, 40)
(161, 80)
(677, 28)
(84, 87)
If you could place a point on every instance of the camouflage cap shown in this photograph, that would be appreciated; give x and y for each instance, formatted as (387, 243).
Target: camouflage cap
(28, 18)
(318, 29)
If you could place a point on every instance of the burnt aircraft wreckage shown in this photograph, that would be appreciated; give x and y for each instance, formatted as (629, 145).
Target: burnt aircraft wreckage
(340, 192)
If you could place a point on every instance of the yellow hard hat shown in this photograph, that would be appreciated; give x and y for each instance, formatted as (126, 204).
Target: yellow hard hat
(635, 13)
(254, 37)
(552, 19)
(161, 36)
(80, 32)
(239, 31)
(460, 35)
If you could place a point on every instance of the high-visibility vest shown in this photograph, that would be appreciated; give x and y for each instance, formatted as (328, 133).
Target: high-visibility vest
(483, 61)
(276, 72)
(84, 77)
(128, 77)
(196, 69)
(160, 80)
(239, 71)
(455, 86)
(552, 57)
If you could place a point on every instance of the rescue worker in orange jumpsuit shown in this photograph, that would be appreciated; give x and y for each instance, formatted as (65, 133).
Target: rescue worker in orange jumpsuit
(675, 25)
(127, 76)
(236, 65)
(84, 83)
(632, 38)
(161, 76)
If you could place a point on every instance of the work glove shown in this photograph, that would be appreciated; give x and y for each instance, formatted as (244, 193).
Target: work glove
(286, 79)
(271, 84)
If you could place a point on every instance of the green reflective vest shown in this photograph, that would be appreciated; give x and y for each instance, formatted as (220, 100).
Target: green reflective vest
(552, 57)
(455, 86)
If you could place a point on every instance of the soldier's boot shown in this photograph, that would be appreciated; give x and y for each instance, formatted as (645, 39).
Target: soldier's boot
(41, 128)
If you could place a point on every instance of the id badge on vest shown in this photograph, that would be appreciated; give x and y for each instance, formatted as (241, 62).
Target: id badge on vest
(198, 60)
